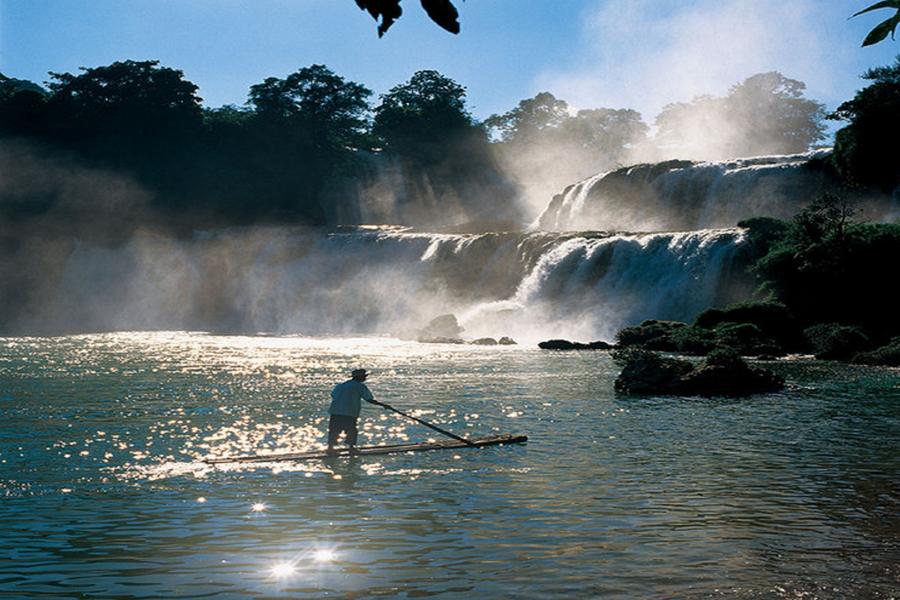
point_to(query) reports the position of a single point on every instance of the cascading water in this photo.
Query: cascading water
(547, 282)
(386, 281)
(680, 195)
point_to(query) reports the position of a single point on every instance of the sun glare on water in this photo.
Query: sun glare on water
(283, 569)
(324, 555)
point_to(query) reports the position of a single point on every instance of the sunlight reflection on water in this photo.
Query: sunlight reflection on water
(104, 487)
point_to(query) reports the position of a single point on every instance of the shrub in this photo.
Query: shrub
(693, 340)
(833, 341)
(725, 357)
(773, 320)
(652, 334)
(888, 355)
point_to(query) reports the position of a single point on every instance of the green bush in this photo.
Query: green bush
(773, 320)
(652, 334)
(693, 340)
(888, 355)
(725, 357)
(833, 341)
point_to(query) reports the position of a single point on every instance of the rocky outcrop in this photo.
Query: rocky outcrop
(886, 356)
(647, 372)
(567, 345)
(442, 326)
(749, 329)
(723, 373)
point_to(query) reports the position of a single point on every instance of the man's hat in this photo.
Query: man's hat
(359, 373)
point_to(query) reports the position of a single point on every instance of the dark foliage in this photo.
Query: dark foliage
(864, 150)
(651, 334)
(839, 277)
(887, 355)
(833, 341)
(888, 26)
(301, 142)
(773, 321)
(425, 125)
(441, 12)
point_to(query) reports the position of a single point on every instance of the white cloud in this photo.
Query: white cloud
(644, 54)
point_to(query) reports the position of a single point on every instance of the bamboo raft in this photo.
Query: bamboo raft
(496, 440)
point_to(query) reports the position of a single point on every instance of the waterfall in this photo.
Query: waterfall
(686, 195)
(384, 281)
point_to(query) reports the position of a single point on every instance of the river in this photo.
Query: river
(794, 494)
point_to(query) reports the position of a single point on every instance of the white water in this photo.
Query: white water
(681, 195)
(387, 281)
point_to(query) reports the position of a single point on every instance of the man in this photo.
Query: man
(345, 406)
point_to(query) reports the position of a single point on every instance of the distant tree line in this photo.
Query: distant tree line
(271, 160)
(278, 157)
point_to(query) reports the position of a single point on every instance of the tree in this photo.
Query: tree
(888, 26)
(127, 96)
(22, 106)
(529, 118)
(765, 114)
(125, 112)
(606, 132)
(779, 120)
(333, 110)
(864, 149)
(441, 12)
(416, 119)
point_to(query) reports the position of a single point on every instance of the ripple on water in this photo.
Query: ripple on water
(105, 493)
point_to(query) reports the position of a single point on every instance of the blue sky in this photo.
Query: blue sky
(615, 53)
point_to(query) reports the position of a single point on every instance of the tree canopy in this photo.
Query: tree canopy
(527, 120)
(765, 114)
(414, 115)
(317, 99)
(863, 149)
(125, 99)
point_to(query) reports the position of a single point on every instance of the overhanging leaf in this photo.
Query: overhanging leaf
(882, 30)
(443, 13)
(879, 5)
(388, 10)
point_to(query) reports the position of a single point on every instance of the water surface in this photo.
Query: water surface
(795, 494)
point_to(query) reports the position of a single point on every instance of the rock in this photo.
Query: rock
(887, 356)
(723, 373)
(507, 341)
(441, 327)
(441, 340)
(833, 341)
(647, 372)
(485, 341)
(716, 380)
(567, 345)
(652, 334)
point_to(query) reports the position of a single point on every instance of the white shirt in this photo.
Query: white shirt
(346, 397)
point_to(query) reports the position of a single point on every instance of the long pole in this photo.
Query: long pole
(427, 424)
